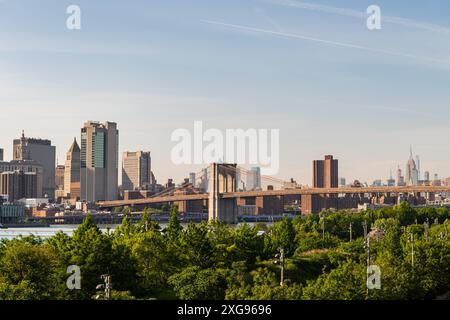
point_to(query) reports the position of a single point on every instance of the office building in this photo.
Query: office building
(72, 171)
(426, 176)
(42, 152)
(254, 179)
(18, 185)
(25, 166)
(59, 177)
(412, 171)
(192, 178)
(325, 173)
(59, 181)
(136, 170)
(1, 154)
(99, 161)
(11, 213)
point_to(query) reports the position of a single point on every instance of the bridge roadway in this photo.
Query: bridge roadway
(285, 192)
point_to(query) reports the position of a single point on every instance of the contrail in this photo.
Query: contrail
(329, 42)
(361, 15)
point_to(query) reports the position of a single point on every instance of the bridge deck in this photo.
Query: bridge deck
(266, 193)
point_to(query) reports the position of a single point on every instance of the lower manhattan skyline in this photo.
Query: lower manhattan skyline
(365, 107)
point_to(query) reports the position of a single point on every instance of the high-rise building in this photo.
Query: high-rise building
(399, 177)
(411, 172)
(26, 166)
(203, 183)
(1, 154)
(426, 176)
(59, 177)
(18, 185)
(136, 170)
(99, 161)
(342, 182)
(254, 179)
(44, 153)
(59, 181)
(325, 173)
(72, 171)
(418, 167)
(192, 178)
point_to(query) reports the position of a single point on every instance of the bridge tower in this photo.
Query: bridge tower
(222, 179)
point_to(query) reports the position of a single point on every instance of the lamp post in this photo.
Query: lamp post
(107, 286)
(280, 256)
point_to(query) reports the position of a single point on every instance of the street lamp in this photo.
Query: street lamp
(107, 286)
(280, 256)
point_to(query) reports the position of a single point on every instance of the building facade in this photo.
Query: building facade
(326, 173)
(72, 172)
(59, 177)
(30, 166)
(99, 161)
(18, 185)
(13, 213)
(136, 170)
(44, 153)
(254, 179)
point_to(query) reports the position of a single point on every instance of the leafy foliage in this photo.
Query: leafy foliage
(217, 261)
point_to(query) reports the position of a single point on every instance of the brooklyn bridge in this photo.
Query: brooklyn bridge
(224, 202)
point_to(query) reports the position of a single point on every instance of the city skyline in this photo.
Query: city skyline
(186, 173)
(365, 107)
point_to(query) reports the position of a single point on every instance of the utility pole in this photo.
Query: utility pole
(323, 228)
(426, 226)
(365, 229)
(107, 286)
(411, 240)
(280, 255)
(351, 234)
(368, 259)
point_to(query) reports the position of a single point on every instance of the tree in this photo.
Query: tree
(282, 235)
(195, 245)
(174, 228)
(193, 283)
(346, 282)
(27, 271)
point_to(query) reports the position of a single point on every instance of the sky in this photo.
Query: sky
(311, 69)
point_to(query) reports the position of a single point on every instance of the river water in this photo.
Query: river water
(44, 232)
(48, 232)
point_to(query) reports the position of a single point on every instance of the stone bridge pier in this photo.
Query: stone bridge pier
(222, 179)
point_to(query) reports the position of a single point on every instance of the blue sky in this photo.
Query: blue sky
(155, 66)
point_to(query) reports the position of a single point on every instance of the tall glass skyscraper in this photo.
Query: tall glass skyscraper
(99, 161)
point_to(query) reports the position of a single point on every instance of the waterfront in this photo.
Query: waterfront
(48, 232)
(44, 232)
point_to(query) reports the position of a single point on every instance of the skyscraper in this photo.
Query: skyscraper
(72, 171)
(59, 177)
(418, 167)
(99, 161)
(325, 173)
(18, 185)
(44, 153)
(411, 172)
(254, 179)
(1, 154)
(136, 170)
(26, 166)
(192, 178)
(399, 178)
